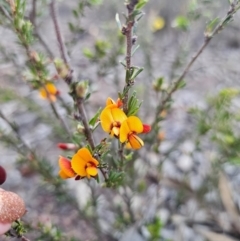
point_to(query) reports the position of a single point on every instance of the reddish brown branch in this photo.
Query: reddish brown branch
(127, 31)
(58, 32)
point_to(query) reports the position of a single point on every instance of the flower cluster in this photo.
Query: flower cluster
(115, 122)
(83, 164)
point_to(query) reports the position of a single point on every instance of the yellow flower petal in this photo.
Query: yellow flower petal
(106, 120)
(124, 131)
(51, 88)
(79, 166)
(128, 146)
(135, 141)
(65, 167)
(135, 124)
(111, 115)
(110, 101)
(48, 91)
(92, 171)
(158, 23)
(118, 115)
(85, 154)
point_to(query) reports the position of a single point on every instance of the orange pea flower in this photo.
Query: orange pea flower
(111, 119)
(84, 164)
(129, 130)
(66, 170)
(49, 91)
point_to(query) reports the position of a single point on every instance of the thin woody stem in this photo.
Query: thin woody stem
(33, 12)
(15, 129)
(5, 13)
(43, 42)
(127, 31)
(87, 131)
(23, 238)
(58, 32)
(69, 79)
(60, 118)
(32, 18)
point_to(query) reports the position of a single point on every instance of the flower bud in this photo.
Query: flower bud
(146, 128)
(61, 68)
(67, 146)
(81, 89)
(35, 56)
(80, 129)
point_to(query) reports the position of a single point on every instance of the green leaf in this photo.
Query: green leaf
(212, 25)
(181, 84)
(87, 96)
(75, 13)
(129, 156)
(71, 27)
(154, 228)
(93, 121)
(115, 178)
(118, 21)
(136, 71)
(95, 2)
(141, 4)
(133, 105)
(135, 13)
(181, 22)
(235, 160)
(157, 84)
(123, 64)
(77, 138)
(135, 49)
(88, 53)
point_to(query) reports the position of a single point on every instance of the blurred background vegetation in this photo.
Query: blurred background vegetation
(183, 185)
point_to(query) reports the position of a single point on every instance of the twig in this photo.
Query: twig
(32, 18)
(128, 202)
(15, 129)
(127, 31)
(14, 233)
(64, 124)
(121, 155)
(58, 32)
(43, 42)
(6, 14)
(32, 15)
(87, 131)
(68, 79)
(23, 238)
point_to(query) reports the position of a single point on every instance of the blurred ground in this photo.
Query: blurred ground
(217, 67)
